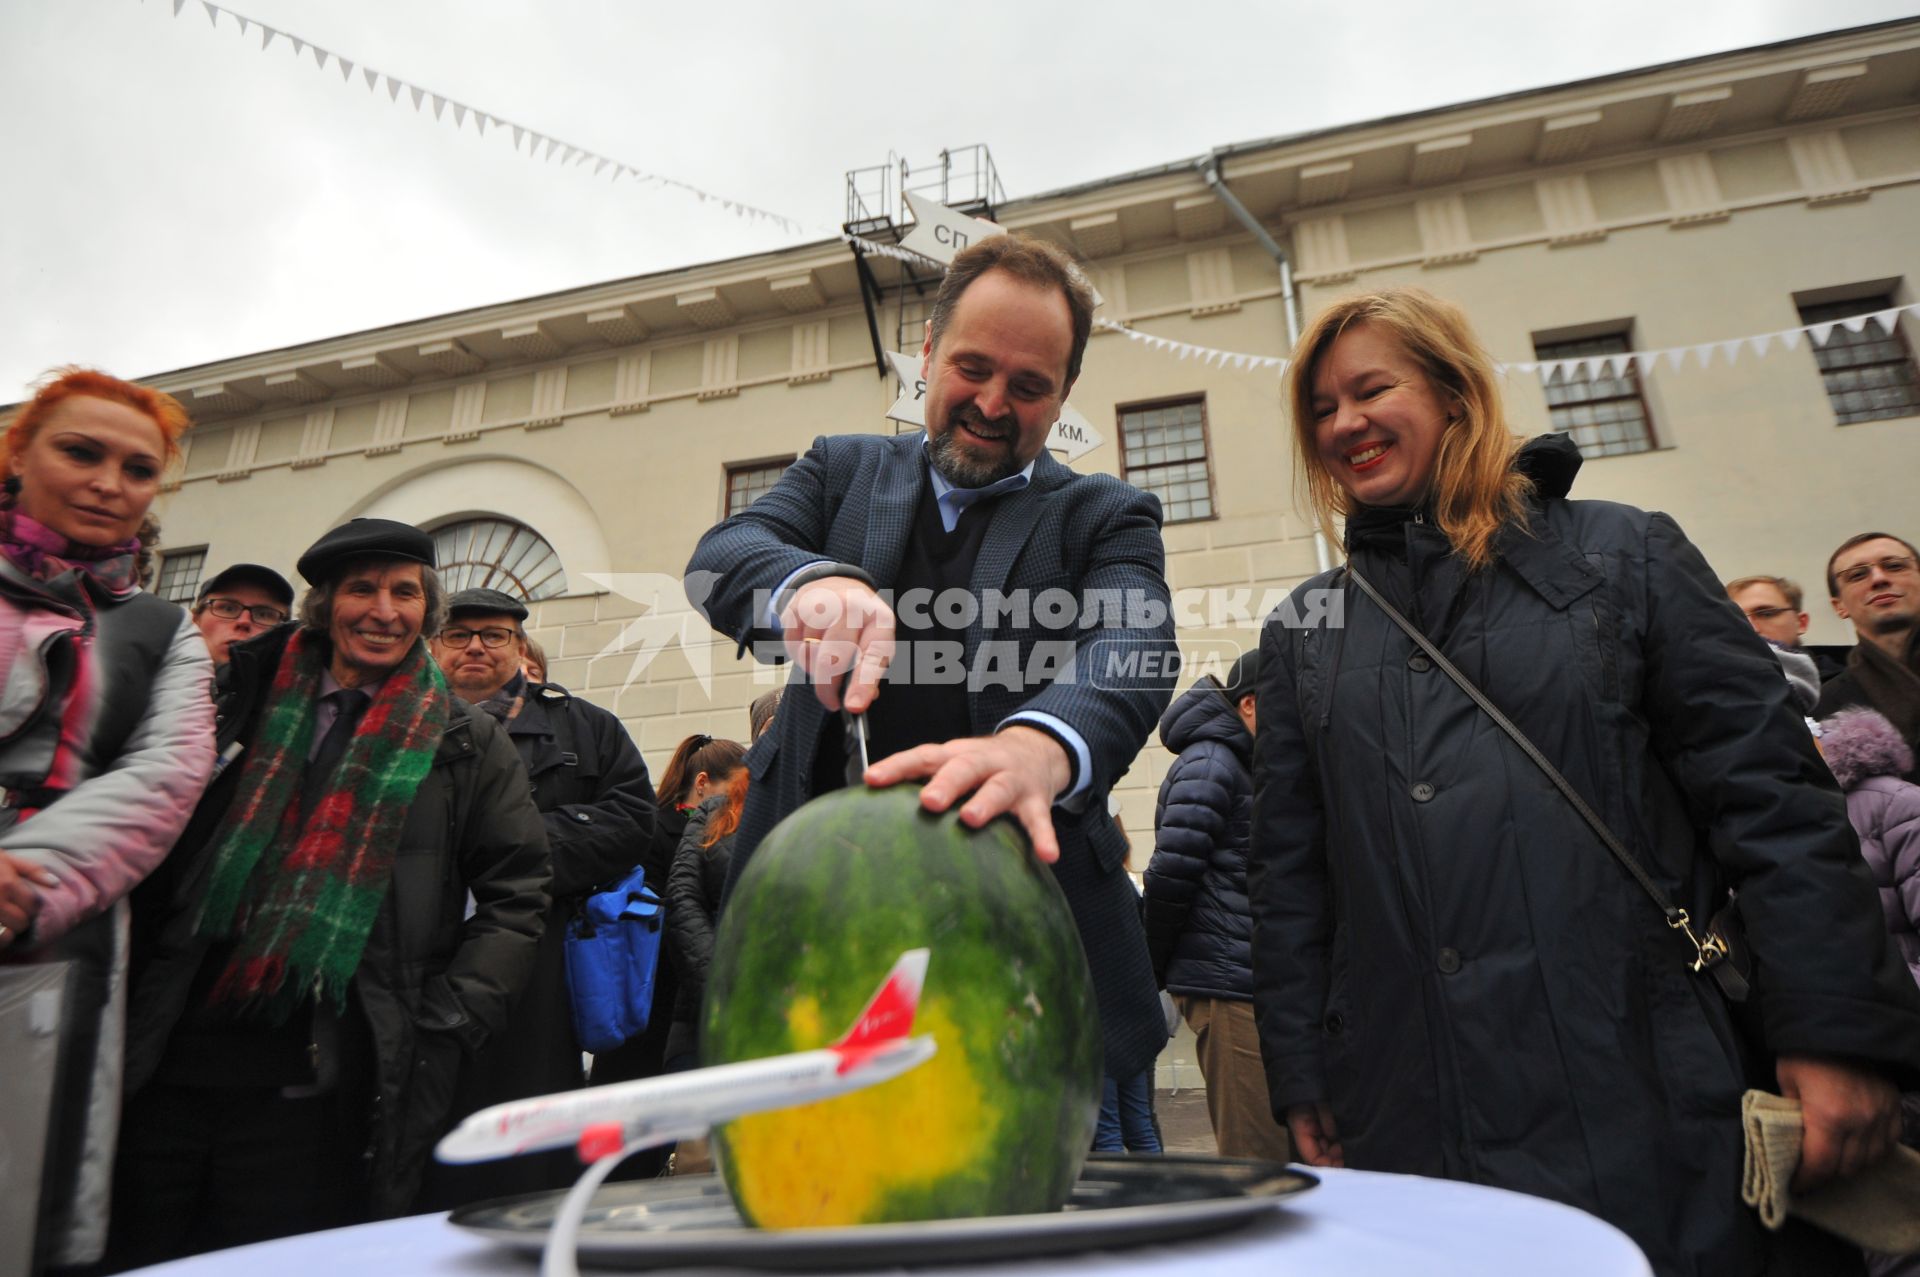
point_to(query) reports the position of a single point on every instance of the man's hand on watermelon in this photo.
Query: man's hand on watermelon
(837, 628)
(1017, 770)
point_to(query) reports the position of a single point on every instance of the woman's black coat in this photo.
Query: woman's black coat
(1446, 953)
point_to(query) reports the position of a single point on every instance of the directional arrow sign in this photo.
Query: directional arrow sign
(1073, 434)
(939, 232)
(911, 406)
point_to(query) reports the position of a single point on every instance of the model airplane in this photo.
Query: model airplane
(629, 1116)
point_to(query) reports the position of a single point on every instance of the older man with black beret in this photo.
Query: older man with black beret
(349, 916)
(591, 787)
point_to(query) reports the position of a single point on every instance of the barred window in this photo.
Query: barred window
(180, 574)
(746, 484)
(1163, 449)
(1869, 374)
(1605, 416)
(500, 555)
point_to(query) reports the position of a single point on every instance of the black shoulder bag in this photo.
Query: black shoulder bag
(1722, 951)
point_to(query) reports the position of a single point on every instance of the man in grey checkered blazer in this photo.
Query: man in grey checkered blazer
(1067, 657)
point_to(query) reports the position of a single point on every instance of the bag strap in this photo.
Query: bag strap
(1710, 950)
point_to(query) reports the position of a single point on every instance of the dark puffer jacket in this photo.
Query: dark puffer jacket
(694, 889)
(1199, 928)
(1443, 950)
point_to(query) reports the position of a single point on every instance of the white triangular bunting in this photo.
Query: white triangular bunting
(1791, 338)
(346, 70)
(1731, 351)
(480, 121)
(213, 13)
(459, 115)
(1645, 361)
(601, 167)
(1759, 344)
(371, 76)
(244, 24)
(1887, 318)
(439, 105)
(566, 154)
(178, 5)
(299, 45)
(419, 95)
(1855, 323)
(266, 35)
(518, 133)
(1676, 358)
(1820, 333)
(393, 89)
(320, 56)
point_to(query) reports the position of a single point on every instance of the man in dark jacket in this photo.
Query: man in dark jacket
(591, 787)
(1199, 927)
(350, 913)
(1875, 582)
(994, 692)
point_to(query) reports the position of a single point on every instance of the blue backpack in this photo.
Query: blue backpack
(613, 950)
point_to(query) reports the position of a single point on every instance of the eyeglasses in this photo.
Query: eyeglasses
(230, 609)
(1896, 566)
(1768, 613)
(490, 637)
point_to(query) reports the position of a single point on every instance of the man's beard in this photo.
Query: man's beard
(1893, 623)
(963, 470)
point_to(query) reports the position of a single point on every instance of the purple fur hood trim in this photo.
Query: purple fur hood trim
(1859, 743)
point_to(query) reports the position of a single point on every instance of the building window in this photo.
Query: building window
(1605, 416)
(1869, 374)
(1163, 448)
(746, 484)
(180, 574)
(498, 554)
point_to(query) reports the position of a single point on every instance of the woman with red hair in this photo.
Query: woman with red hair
(106, 740)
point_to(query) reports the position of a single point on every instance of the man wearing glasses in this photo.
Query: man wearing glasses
(591, 788)
(238, 603)
(1875, 582)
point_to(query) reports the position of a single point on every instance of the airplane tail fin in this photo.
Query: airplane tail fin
(889, 1013)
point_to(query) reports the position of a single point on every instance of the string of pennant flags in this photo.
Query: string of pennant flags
(538, 145)
(545, 146)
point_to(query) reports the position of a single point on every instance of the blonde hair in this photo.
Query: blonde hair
(1475, 489)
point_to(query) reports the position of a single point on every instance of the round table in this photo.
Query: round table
(1355, 1224)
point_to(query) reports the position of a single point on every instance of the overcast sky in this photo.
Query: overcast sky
(176, 195)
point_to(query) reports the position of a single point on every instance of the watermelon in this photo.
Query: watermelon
(999, 1121)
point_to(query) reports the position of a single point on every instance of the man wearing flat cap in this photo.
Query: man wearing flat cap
(348, 917)
(237, 603)
(591, 787)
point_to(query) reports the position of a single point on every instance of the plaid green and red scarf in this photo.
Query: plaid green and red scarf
(302, 901)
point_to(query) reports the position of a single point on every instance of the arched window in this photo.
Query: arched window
(500, 555)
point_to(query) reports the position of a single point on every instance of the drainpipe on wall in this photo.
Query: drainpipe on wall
(1209, 166)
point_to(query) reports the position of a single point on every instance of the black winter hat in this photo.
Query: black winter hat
(491, 602)
(387, 538)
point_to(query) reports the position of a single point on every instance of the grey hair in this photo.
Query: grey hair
(316, 605)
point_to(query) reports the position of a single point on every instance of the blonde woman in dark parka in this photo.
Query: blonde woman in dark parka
(1453, 977)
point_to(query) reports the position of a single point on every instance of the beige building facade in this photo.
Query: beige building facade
(1728, 197)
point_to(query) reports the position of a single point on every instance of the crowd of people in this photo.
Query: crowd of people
(1433, 884)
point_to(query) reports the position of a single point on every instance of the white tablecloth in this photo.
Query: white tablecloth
(1356, 1224)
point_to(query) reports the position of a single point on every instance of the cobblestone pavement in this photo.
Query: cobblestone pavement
(1184, 1125)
